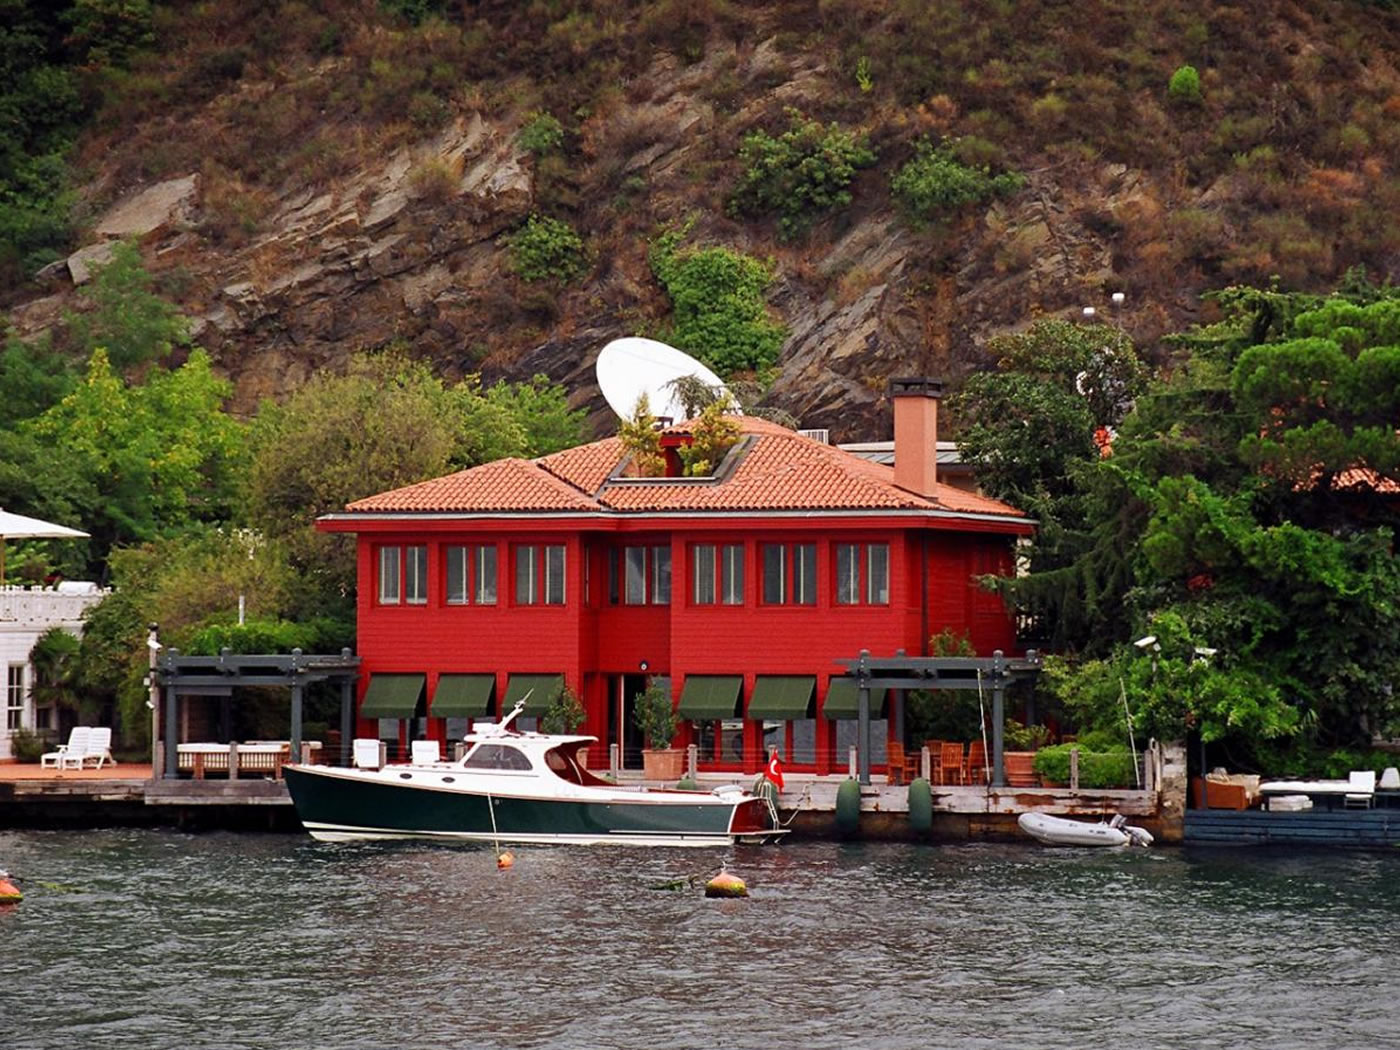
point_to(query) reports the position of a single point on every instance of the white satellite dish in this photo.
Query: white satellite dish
(630, 367)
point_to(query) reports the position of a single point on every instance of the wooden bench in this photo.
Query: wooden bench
(259, 757)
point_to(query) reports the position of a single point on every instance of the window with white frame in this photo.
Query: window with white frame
(789, 574)
(390, 576)
(415, 575)
(862, 574)
(471, 575)
(539, 574)
(646, 576)
(14, 697)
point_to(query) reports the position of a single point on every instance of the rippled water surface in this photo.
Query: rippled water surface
(153, 939)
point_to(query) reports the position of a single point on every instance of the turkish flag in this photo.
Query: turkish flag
(774, 770)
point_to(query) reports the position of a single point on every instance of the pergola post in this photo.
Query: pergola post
(863, 717)
(172, 733)
(347, 712)
(998, 718)
(296, 706)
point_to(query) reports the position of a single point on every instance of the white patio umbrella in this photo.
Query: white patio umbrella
(19, 527)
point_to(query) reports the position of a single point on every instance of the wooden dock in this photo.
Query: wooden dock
(1321, 828)
(127, 795)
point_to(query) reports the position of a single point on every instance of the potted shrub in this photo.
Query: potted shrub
(656, 718)
(565, 716)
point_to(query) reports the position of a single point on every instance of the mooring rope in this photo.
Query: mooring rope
(982, 720)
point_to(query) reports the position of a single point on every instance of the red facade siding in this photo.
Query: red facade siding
(931, 587)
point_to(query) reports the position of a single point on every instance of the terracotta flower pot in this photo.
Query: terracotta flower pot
(663, 765)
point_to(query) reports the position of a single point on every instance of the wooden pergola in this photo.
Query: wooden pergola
(901, 673)
(173, 675)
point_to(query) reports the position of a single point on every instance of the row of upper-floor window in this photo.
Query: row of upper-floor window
(638, 575)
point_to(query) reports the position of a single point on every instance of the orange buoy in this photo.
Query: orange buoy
(9, 892)
(505, 860)
(726, 885)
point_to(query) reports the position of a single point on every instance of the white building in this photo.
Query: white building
(25, 614)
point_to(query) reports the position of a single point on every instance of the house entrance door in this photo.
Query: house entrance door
(622, 730)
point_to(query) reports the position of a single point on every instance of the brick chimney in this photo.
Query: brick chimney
(916, 433)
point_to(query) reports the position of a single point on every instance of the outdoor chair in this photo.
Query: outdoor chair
(1390, 779)
(976, 762)
(77, 745)
(935, 758)
(425, 752)
(98, 750)
(950, 763)
(894, 763)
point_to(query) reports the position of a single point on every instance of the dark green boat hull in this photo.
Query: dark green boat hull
(334, 807)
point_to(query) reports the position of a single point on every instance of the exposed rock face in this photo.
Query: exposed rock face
(153, 209)
(410, 250)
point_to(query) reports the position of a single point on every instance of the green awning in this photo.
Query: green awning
(463, 696)
(543, 688)
(709, 697)
(782, 697)
(393, 695)
(843, 700)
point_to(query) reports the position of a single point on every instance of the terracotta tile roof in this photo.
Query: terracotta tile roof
(776, 469)
(587, 466)
(505, 485)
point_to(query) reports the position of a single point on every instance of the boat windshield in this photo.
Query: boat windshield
(496, 756)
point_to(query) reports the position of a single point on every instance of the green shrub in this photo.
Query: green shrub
(540, 134)
(565, 714)
(26, 745)
(655, 717)
(1185, 85)
(802, 173)
(718, 310)
(1097, 769)
(546, 249)
(935, 182)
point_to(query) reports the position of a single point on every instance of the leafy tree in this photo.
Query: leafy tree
(1029, 427)
(386, 423)
(55, 660)
(803, 172)
(140, 461)
(546, 249)
(718, 310)
(935, 182)
(131, 323)
(33, 377)
(184, 583)
(713, 434)
(1250, 494)
(541, 408)
(642, 440)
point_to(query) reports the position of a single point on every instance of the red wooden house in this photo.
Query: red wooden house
(740, 590)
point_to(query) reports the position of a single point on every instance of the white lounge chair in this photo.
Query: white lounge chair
(1390, 779)
(97, 750)
(1361, 791)
(77, 745)
(368, 753)
(425, 752)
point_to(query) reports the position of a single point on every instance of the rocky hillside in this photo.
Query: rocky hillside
(312, 178)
